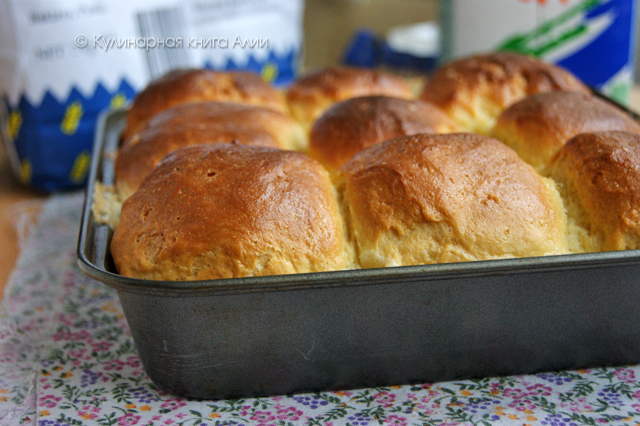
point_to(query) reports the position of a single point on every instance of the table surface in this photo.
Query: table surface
(12, 193)
(67, 357)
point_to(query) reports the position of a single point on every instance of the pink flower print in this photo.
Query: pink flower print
(625, 375)
(573, 406)
(101, 346)
(522, 405)
(67, 319)
(290, 413)
(427, 398)
(581, 404)
(262, 417)
(115, 364)
(49, 401)
(173, 404)
(61, 335)
(8, 357)
(133, 361)
(78, 353)
(424, 408)
(80, 335)
(89, 412)
(385, 398)
(539, 390)
(394, 419)
(636, 407)
(244, 410)
(513, 393)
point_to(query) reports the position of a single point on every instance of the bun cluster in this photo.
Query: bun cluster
(498, 156)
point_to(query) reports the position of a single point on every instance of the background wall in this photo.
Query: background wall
(330, 24)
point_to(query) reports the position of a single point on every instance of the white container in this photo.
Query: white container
(595, 39)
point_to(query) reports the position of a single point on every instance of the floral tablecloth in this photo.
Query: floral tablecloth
(67, 358)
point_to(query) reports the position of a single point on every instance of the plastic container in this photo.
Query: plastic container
(594, 39)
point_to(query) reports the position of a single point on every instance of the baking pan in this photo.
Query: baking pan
(261, 336)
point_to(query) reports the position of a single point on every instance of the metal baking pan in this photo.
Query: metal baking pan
(271, 335)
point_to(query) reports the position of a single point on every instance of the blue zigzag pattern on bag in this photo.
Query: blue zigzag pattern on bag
(53, 140)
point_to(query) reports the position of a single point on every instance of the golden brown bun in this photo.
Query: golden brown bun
(198, 85)
(230, 210)
(539, 125)
(202, 123)
(476, 89)
(447, 198)
(599, 179)
(311, 95)
(350, 126)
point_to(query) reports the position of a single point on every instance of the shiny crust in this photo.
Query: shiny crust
(600, 176)
(311, 95)
(230, 210)
(350, 126)
(476, 89)
(201, 123)
(538, 126)
(198, 85)
(447, 198)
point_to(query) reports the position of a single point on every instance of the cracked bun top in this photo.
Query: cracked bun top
(311, 95)
(476, 89)
(448, 198)
(350, 126)
(230, 210)
(538, 126)
(202, 123)
(198, 85)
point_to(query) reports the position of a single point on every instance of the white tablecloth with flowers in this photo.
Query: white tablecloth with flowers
(67, 358)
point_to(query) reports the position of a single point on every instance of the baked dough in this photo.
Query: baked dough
(476, 89)
(350, 126)
(448, 198)
(230, 210)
